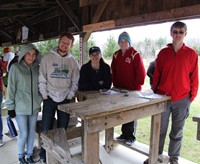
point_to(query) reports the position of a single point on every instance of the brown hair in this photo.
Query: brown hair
(68, 35)
(179, 25)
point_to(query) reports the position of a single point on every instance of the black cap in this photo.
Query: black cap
(94, 49)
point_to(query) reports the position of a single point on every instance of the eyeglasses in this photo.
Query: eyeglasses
(178, 32)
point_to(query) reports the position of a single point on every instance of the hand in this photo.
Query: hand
(12, 113)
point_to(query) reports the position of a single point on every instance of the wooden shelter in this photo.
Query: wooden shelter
(45, 19)
(23, 21)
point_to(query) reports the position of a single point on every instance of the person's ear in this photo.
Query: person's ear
(185, 33)
(72, 45)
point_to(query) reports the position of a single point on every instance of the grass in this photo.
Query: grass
(190, 146)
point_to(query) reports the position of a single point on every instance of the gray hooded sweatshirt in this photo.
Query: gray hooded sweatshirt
(59, 76)
(23, 92)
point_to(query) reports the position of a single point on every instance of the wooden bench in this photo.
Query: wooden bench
(57, 146)
(72, 123)
(65, 147)
(197, 119)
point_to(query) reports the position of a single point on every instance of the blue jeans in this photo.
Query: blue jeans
(179, 111)
(26, 125)
(1, 123)
(48, 114)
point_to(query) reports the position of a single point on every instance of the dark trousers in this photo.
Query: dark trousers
(129, 129)
(49, 109)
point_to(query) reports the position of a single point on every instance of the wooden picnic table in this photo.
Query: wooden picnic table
(103, 112)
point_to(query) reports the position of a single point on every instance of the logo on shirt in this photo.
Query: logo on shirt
(60, 72)
(128, 60)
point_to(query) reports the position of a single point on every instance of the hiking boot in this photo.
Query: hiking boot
(121, 138)
(30, 160)
(1, 142)
(173, 160)
(22, 161)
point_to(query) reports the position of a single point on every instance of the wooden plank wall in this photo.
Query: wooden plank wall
(120, 9)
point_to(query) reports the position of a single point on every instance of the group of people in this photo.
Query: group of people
(56, 77)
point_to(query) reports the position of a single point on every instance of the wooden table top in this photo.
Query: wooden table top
(98, 104)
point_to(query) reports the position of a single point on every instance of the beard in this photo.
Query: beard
(62, 52)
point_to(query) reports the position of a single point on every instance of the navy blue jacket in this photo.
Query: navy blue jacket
(91, 79)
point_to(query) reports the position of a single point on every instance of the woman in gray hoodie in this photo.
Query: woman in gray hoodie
(24, 100)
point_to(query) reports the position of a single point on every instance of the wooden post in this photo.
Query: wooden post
(154, 141)
(109, 134)
(197, 119)
(90, 150)
(83, 53)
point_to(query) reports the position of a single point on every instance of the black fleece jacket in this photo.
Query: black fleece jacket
(91, 79)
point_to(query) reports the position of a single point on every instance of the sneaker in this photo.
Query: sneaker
(1, 142)
(30, 160)
(121, 138)
(41, 161)
(22, 161)
(129, 142)
(161, 159)
(173, 160)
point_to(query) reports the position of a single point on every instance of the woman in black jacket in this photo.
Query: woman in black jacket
(95, 74)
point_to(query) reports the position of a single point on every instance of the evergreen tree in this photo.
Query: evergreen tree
(110, 47)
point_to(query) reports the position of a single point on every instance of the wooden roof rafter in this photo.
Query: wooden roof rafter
(24, 23)
(51, 13)
(96, 17)
(67, 10)
(6, 33)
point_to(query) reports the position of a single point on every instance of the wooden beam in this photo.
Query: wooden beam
(99, 26)
(6, 33)
(68, 11)
(83, 3)
(10, 2)
(24, 23)
(49, 14)
(159, 17)
(96, 17)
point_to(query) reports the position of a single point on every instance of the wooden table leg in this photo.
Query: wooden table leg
(154, 140)
(109, 134)
(90, 146)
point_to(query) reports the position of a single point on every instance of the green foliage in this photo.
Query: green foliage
(110, 47)
(76, 48)
(161, 42)
(146, 48)
(197, 49)
(46, 46)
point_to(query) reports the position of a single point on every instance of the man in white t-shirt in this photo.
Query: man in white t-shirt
(7, 57)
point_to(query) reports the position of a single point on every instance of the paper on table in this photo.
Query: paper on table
(151, 96)
(109, 92)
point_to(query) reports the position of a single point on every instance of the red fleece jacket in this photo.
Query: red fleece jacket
(128, 71)
(176, 73)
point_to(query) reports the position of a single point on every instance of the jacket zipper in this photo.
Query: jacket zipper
(31, 92)
(175, 55)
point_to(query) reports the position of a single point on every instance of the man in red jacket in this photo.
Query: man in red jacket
(176, 75)
(128, 73)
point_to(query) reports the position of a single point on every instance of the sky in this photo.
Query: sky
(154, 31)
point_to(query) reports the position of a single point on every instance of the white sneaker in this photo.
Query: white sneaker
(1, 143)
(163, 159)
